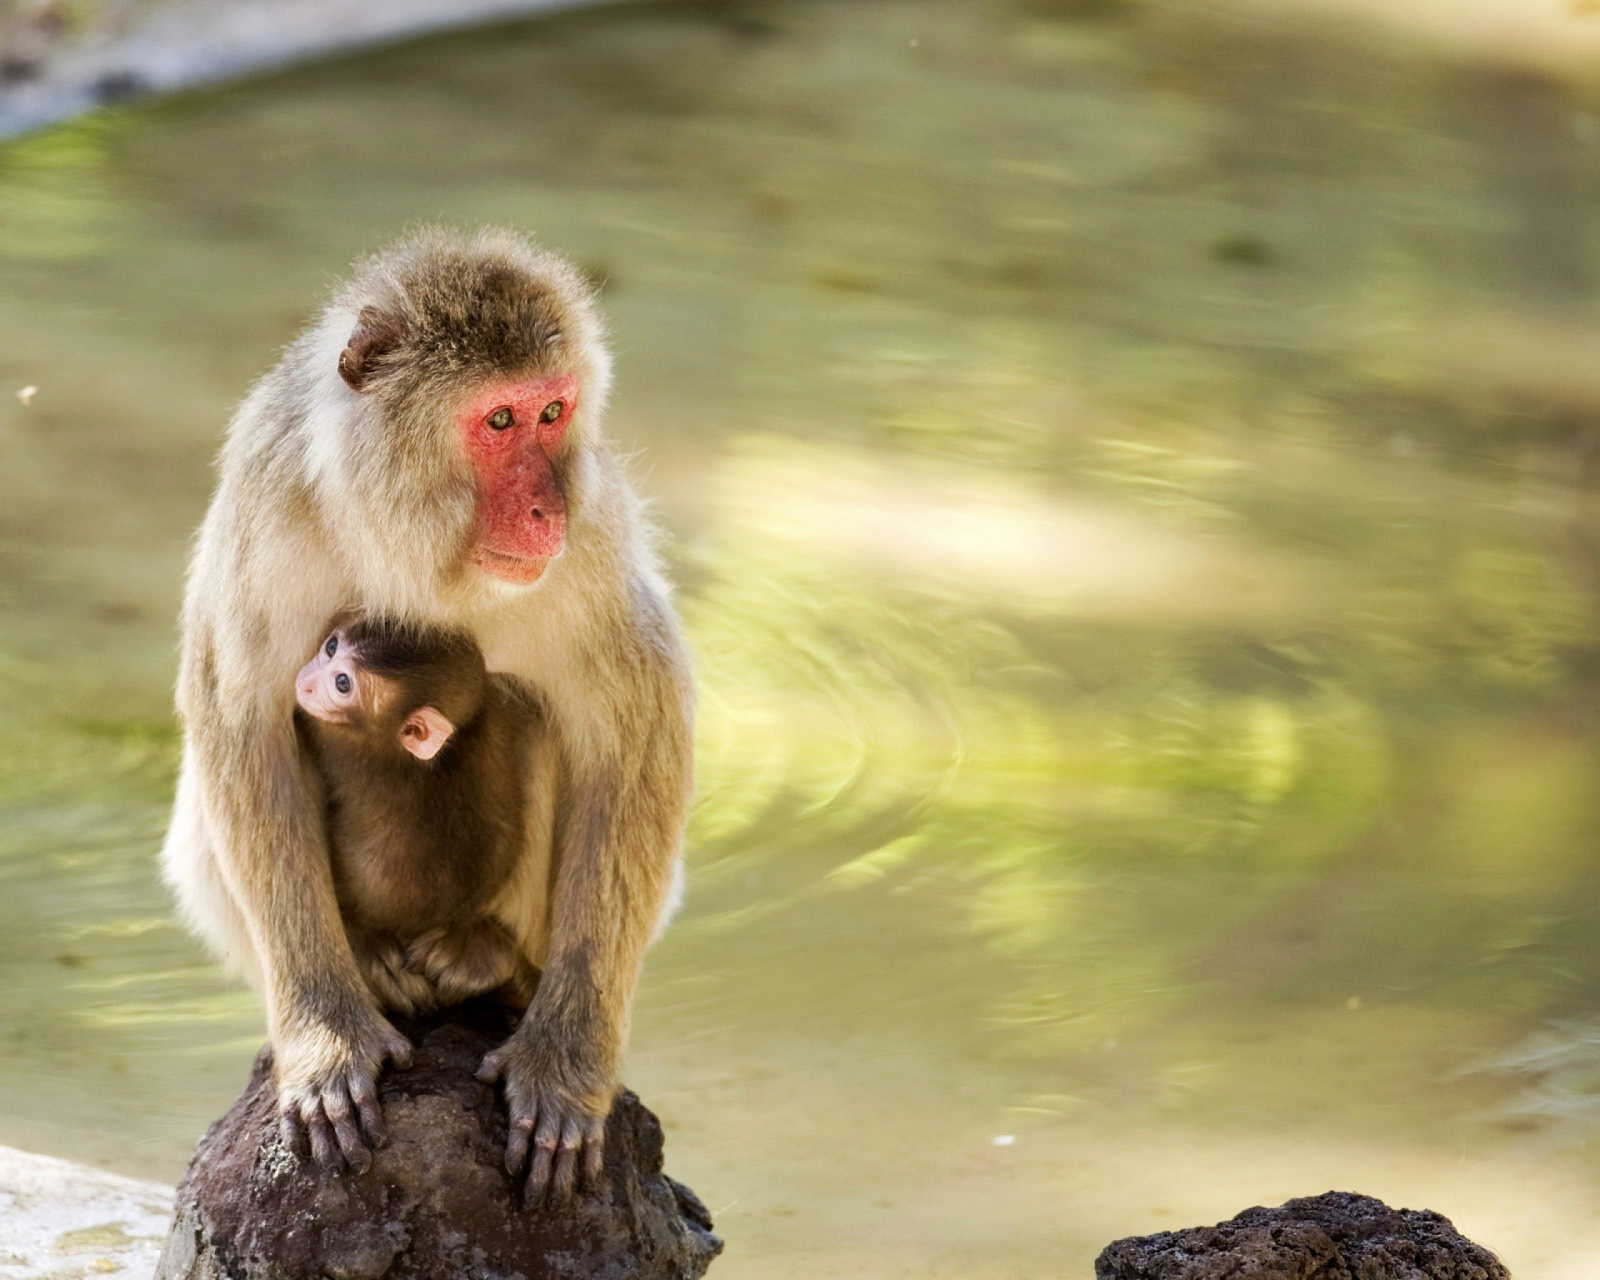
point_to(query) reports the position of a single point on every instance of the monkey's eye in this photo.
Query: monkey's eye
(341, 682)
(553, 410)
(331, 646)
(500, 419)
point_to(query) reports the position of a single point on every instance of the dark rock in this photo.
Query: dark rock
(437, 1203)
(1335, 1236)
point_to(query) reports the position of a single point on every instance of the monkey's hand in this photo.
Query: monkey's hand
(557, 1103)
(327, 1088)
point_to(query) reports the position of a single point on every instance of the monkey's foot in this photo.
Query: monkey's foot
(395, 983)
(564, 1123)
(327, 1088)
(468, 960)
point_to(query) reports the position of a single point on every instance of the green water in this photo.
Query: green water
(1129, 470)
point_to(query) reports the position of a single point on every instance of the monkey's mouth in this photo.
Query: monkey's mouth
(523, 570)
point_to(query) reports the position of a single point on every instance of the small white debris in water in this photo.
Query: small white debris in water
(1004, 1139)
(915, 42)
(27, 393)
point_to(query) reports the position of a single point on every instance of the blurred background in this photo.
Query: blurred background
(1130, 467)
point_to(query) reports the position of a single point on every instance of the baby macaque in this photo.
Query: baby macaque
(424, 761)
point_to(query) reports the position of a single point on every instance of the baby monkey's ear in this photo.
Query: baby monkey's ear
(425, 732)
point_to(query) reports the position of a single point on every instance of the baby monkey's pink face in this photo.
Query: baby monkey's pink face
(332, 686)
(335, 687)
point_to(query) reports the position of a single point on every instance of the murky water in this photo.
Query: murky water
(1129, 473)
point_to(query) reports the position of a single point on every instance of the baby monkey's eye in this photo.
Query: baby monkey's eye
(341, 682)
(331, 646)
(553, 410)
(500, 419)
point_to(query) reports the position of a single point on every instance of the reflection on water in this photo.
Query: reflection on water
(1128, 472)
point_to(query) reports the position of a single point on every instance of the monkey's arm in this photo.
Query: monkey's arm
(625, 796)
(265, 826)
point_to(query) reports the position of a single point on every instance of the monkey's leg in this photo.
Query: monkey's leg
(264, 821)
(189, 866)
(622, 823)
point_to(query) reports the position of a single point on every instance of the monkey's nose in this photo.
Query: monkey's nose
(547, 530)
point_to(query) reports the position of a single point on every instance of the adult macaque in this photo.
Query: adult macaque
(424, 760)
(431, 450)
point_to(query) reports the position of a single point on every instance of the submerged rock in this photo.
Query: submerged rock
(437, 1203)
(1338, 1235)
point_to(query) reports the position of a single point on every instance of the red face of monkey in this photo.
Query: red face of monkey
(513, 433)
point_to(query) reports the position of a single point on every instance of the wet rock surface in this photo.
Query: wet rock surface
(437, 1202)
(1335, 1236)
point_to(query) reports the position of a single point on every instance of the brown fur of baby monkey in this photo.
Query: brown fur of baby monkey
(423, 758)
(431, 450)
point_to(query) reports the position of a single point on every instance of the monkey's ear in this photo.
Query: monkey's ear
(425, 732)
(374, 336)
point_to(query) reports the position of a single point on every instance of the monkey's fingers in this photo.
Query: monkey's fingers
(397, 1050)
(294, 1133)
(342, 1116)
(517, 1137)
(545, 1143)
(564, 1177)
(364, 1093)
(594, 1150)
(491, 1068)
(323, 1148)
